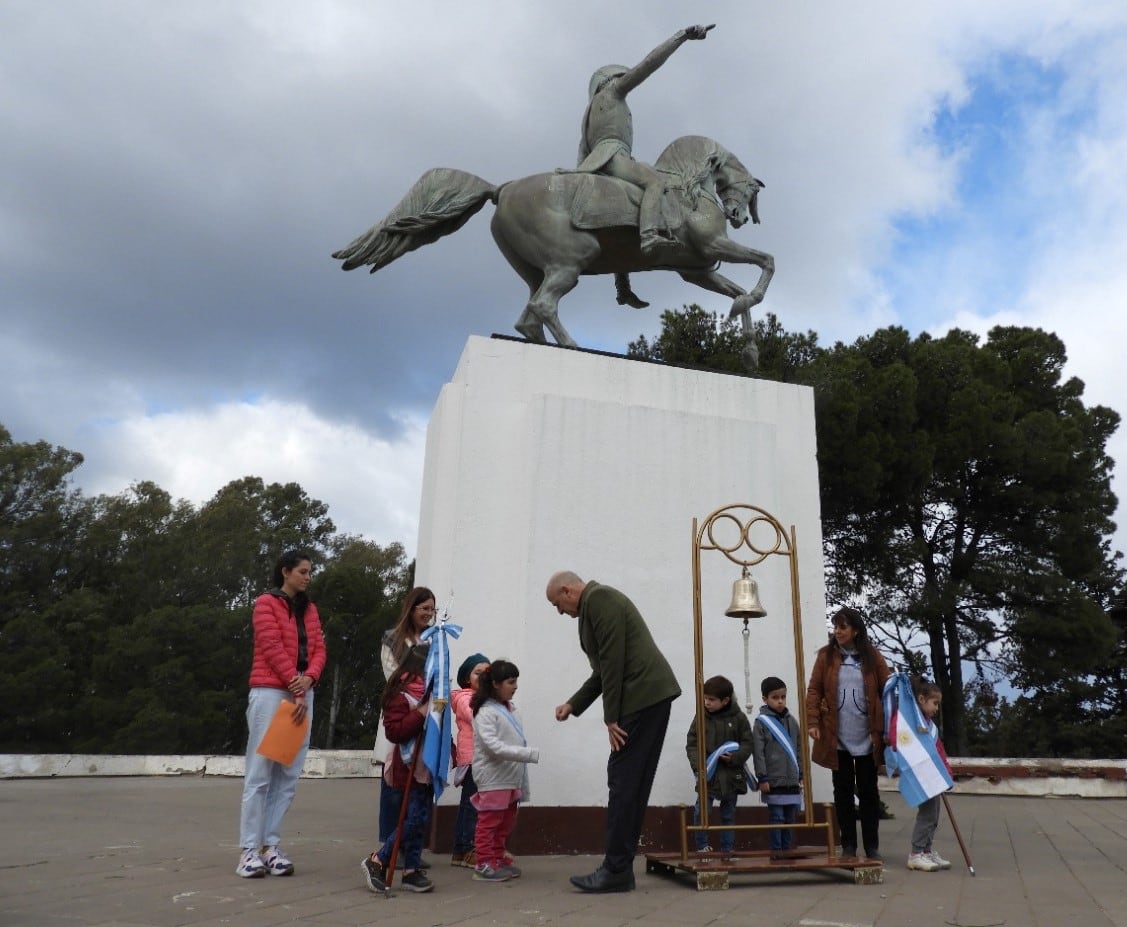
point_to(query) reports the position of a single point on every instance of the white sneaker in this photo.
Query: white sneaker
(250, 866)
(276, 862)
(939, 860)
(922, 862)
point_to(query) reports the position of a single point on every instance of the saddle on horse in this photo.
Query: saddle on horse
(600, 202)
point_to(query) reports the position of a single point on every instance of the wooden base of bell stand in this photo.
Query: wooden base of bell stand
(712, 870)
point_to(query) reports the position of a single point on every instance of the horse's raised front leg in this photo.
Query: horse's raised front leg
(728, 252)
(741, 306)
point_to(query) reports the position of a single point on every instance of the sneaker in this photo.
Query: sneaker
(373, 874)
(470, 860)
(513, 871)
(922, 862)
(940, 861)
(416, 881)
(486, 873)
(276, 862)
(250, 866)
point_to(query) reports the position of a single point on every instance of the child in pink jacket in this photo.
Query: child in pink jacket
(466, 821)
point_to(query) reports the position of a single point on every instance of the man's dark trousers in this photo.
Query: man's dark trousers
(630, 776)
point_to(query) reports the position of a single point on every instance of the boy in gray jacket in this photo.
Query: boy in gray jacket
(776, 746)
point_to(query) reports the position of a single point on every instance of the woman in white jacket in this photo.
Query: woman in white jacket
(500, 764)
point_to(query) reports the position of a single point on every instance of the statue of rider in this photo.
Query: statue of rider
(607, 140)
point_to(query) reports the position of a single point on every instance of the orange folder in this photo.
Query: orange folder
(283, 738)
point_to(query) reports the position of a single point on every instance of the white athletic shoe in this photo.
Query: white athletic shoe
(922, 862)
(250, 866)
(943, 863)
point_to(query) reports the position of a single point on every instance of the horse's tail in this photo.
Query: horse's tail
(440, 203)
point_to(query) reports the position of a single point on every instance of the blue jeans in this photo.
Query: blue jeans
(268, 787)
(415, 825)
(466, 822)
(782, 814)
(727, 816)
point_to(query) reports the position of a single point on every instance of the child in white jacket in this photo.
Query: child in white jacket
(500, 766)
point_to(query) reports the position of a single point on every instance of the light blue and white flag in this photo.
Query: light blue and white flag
(437, 735)
(913, 751)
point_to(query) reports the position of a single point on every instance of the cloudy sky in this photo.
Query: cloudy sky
(174, 177)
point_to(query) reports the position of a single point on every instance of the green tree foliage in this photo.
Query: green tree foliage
(701, 340)
(966, 497)
(1082, 716)
(695, 338)
(39, 512)
(126, 625)
(966, 504)
(358, 594)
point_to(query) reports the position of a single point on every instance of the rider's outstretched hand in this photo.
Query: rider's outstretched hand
(698, 32)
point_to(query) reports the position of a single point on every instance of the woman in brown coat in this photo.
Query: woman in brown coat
(846, 721)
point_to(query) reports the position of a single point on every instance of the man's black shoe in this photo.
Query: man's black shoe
(603, 880)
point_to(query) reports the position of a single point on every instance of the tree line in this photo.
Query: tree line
(126, 625)
(966, 508)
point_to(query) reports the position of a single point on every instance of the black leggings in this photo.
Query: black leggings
(857, 774)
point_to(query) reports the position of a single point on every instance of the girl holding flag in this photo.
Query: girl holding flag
(915, 754)
(406, 706)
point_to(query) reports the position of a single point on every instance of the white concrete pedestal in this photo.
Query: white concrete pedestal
(541, 458)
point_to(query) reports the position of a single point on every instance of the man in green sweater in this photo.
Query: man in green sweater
(638, 687)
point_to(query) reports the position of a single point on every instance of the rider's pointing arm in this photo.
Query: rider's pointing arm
(657, 58)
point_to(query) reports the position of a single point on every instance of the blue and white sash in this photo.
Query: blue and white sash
(779, 732)
(512, 719)
(729, 746)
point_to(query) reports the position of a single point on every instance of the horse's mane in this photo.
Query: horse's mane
(692, 159)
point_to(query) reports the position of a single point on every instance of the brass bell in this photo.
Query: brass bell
(745, 598)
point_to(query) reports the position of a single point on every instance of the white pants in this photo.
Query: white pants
(268, 787)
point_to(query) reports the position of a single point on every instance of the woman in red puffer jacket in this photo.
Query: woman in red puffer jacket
(289, 657)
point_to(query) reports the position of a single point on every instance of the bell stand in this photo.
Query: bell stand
(711, 869)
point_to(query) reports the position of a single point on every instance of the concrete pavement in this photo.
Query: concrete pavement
(127, 852)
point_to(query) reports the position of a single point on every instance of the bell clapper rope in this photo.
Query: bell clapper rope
(746, 632)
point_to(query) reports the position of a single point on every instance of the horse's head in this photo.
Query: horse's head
(740, 200)
(705, 164)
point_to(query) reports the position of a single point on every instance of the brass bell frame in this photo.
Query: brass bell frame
(745, 553)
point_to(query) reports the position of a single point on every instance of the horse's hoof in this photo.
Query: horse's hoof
(751, 357)
(533, 332)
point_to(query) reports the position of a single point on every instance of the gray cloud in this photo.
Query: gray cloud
(175, 178)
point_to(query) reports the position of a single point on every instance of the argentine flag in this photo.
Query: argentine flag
(436, 736)
(913, 749)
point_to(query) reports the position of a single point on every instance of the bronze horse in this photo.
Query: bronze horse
(555, 227)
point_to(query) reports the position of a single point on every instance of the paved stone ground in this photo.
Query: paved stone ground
(151, 852)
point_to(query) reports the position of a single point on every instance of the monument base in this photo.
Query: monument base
(542, 458)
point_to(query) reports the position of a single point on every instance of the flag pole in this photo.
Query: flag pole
(958, 834)
(390, 873)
